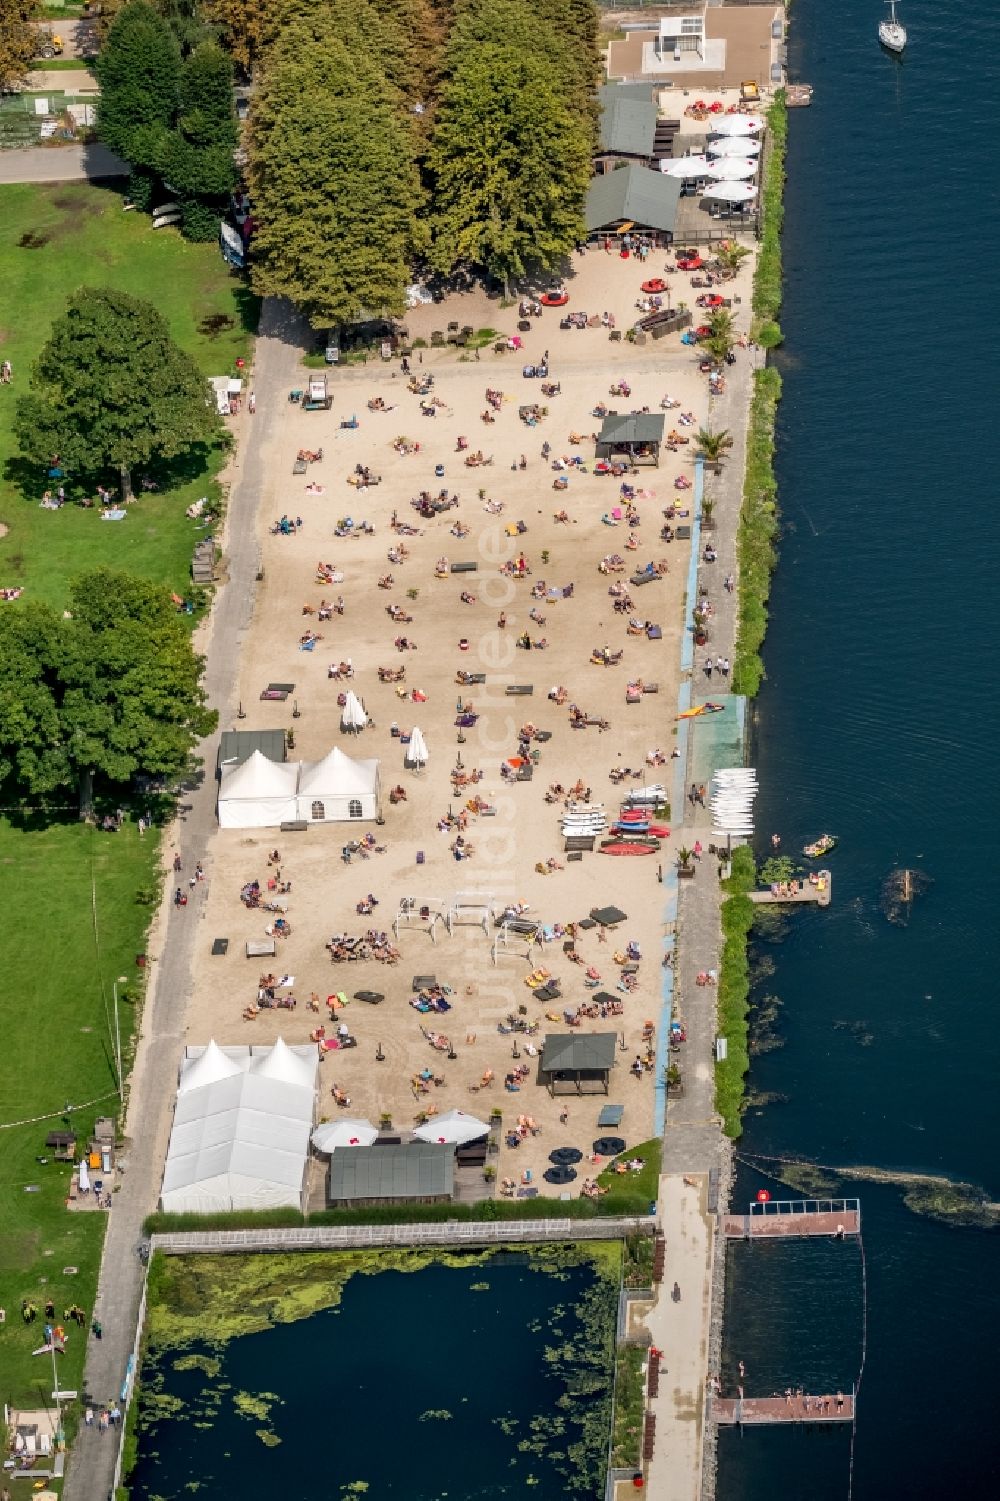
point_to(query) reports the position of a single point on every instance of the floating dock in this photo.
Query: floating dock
(798, 95)
(832, 1408)
(795, 1219)
(785, 893)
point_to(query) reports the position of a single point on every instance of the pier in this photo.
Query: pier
(818, 892)
(836, 1408)
(795, 1219)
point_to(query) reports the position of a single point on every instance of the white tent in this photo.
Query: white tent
(733, 146)
(416, 752)
(731, 169)
(730, 192)
(337, 788)
(258, 794)
(343, 1133)
(240, 1136)
(685, 166)
(353, 716)
(455, 1127)
(736, 125)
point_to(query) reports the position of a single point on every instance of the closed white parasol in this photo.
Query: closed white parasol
(416, 752)
(353, 717)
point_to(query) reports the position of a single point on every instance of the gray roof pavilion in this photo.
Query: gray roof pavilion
(578, 1063)
(420, 1172)
(628, 123)
(237, 746)
(637, 434)
(632, 195)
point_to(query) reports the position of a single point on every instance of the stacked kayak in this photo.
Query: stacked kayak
(733, 793)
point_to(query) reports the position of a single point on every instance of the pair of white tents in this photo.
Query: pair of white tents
(261, 794)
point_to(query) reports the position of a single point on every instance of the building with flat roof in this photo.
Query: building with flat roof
(711, 47)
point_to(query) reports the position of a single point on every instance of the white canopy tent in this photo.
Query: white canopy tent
(330, 1135)
(736, 125)
(258, 794)
(353, 717)
(730, 192)
(731, 169)
(338, 788)
(240, 1135)
(416, 752)
(685, 166)
(733, 146)
(454, 1128)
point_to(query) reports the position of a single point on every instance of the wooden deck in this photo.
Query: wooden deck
(793, 892)
(795, 1219)
(807, 1409)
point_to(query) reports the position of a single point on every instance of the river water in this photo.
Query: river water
(878, 723)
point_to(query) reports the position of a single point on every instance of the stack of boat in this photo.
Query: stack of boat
(734, 790)
(584, 819)
(645, 797)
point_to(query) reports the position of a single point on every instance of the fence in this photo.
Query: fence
(21, 124)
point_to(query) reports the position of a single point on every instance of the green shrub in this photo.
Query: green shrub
(734, 990)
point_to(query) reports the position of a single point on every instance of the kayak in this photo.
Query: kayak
(628, 849)
(700, 709)
(822, 846)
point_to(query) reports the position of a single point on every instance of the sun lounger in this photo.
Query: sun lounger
(300, 466)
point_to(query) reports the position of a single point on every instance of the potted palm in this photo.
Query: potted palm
(675, 1083)
(685, 866)
(712, 447)
(708, 513)
(385, 1120)
(699, 621)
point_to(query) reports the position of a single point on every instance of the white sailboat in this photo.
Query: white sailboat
(892, 33)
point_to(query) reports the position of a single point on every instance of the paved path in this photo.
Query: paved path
(154, 1077)
(60, 164)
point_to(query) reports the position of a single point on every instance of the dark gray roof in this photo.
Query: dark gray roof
(628, 124)
(632, 427)
(641, 91)
(415, 1171)
(237, 746)
(578, 1051)
(635, 194)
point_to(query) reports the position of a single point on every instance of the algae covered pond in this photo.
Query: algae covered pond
(425, 1375)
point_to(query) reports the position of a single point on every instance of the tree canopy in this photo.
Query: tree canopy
(139, 70)
(111, 390)
(111, 690)
(197, 158)
(18, 38)
(332, 178)
(509, 159)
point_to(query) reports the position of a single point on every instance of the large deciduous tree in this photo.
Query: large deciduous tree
(18, 39)
(112, 690)
(332, 178)
(509, 159)
(111, 390)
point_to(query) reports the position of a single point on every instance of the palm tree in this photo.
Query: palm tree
(720, 321)
(732, 255)
(712, 447)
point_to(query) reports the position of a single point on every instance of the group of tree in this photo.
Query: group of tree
(18, 39)
(110, 689)
(111, 392)
(388, 132)
(168, 109)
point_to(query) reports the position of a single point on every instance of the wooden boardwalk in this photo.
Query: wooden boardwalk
(787, 893)
(795, 1219)
(806, 1409)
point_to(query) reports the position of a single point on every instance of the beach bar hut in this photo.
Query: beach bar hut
(633, 198)
(637, 436)
(416, 1173)
(575, 1063)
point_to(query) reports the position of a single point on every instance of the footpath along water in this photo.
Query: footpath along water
(877, 723)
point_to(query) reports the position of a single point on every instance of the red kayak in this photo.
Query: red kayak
(628, 849)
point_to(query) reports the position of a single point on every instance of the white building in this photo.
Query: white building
(240, 1135)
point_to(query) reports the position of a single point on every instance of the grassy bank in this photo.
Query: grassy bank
(77, 888)
(55, 238)
(734, 990)
(767, 276)
(757, 533)
(630, 1407)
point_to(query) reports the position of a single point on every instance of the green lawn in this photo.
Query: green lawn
(57, 1001)
(79, 235)
(631, 1186)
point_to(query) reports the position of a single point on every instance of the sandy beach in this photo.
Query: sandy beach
(510, 847)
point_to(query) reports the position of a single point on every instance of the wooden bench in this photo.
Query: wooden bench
(266, 949)
(519, 690)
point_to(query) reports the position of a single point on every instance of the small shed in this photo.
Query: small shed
(416, 1173)
(634, 198)
(578, 1063)
(638, 436)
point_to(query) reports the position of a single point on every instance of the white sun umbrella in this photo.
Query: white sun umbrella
(453, 1128)
(730, 192)
(343, 1133)
(733, 146)
(353, 716)
(736, 125)
(416, 752)
(684, 166)
(731, 169)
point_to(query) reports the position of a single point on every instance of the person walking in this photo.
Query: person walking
(252, 403)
